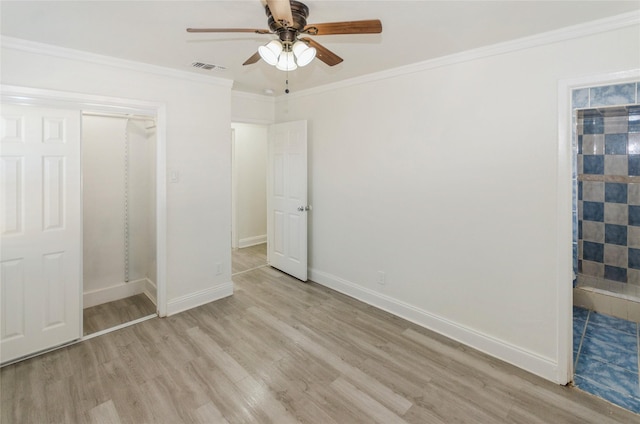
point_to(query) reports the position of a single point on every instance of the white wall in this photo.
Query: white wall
(445, 179)
(141, 200)
(103, 202)
(251, 184)
(252, 108)
(197, 145)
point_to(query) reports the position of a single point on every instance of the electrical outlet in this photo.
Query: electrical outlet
(381, 278)
(219, 268)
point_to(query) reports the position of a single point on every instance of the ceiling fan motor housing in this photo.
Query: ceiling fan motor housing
(288, 34)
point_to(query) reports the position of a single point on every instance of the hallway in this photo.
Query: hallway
(248, 258)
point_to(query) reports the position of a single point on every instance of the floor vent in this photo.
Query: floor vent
(208, 66)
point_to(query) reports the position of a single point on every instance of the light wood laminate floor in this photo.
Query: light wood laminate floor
(282, 351)
(112, 314)
(248, 258)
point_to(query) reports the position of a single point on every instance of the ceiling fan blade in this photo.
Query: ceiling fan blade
(323, 53)
(281, 11)
(253, 59)
(371, 26)
(255, 31)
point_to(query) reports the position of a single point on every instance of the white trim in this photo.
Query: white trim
(254, 97)
(53, 98)
(161, 211)
(252, 241)
(115, 292)
(66, 53)
(234, 192)
(249, 270)
(193, 300)
(85, 102)
(564, 243)
(564, 274)
(78, 340)
(530, 361)
(151, 290)
(118, 327)
(563, 34)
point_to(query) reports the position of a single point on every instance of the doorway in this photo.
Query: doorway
(249, 196)
(596, 169)
(119, 219)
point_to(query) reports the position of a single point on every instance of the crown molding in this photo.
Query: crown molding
(66, 53)
(253, 96)
(550, 37)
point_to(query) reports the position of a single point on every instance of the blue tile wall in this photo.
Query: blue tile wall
(592, 251)
(593, 164)
(615, 273)
(634, 215)
(580, 190)
(612, 95)
(634, 119)
(634, 165)
(634, 258)
(615, 144)
(607, 147)
(593, 211)
(615, 192)
(580, 98)
(615, 234)
(633, 144)
(594, 125)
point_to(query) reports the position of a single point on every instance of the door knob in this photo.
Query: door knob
(303, 208)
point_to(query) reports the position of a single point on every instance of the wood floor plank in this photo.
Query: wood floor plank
(111, 314)
(282, 351)
(208, 413)
(382, 393)
(248, 258)
(105, 413)
(369, 406)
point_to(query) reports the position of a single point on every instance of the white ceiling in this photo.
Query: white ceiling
(154, 32)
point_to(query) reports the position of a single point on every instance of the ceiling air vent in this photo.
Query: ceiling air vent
(208, 66)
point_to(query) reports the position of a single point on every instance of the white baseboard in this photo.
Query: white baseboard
(116, 292)
(193, 300)
(252, 241)
(151, 290)
(521, 358)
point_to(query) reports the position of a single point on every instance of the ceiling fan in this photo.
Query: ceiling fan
(288, 20)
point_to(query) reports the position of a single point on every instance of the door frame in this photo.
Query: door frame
(564, 280)
(19, 95)
(234, 192)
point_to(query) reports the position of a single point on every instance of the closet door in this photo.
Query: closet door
(40, 227)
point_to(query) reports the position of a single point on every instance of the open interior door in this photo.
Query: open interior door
(287, 206)
(40, 225)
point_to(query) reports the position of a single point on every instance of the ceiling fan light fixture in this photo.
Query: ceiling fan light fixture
(287, 62)
(270, 52)
(303, 53)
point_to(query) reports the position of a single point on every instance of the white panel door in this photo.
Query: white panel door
(40, 229)
(287, 198)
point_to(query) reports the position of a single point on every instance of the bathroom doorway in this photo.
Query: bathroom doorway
(604, 132)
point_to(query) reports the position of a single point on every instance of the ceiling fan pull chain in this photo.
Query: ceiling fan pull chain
(286, 82)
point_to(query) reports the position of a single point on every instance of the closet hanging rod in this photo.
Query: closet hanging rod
(121, 116)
